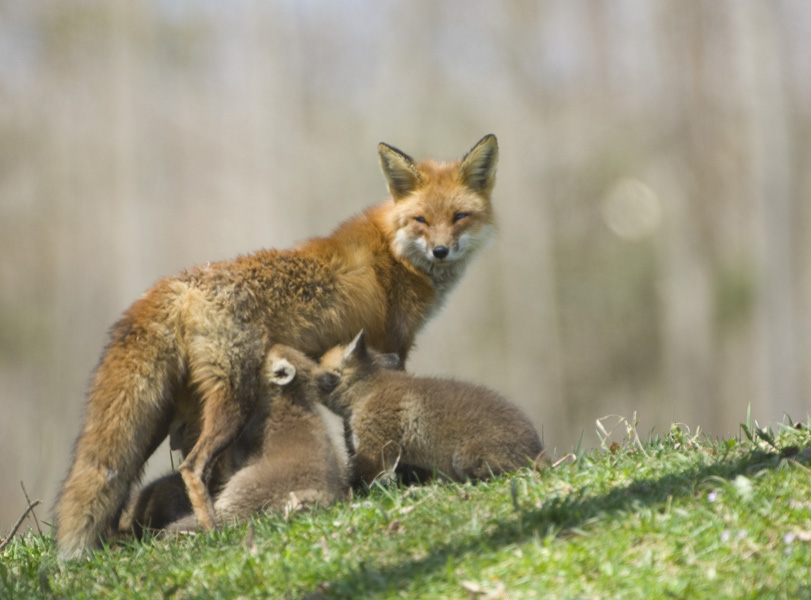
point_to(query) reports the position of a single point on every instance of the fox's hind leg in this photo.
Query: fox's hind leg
(227, 399)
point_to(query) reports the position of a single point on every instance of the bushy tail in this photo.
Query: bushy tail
(129, 408)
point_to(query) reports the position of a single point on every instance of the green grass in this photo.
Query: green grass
(674, 517)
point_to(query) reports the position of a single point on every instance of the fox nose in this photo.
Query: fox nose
(441, 252)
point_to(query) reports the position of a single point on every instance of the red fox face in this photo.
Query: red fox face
(442, 211)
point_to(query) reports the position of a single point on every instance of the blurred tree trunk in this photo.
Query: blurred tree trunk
(125, 237)
(681, 176)
(760, 61)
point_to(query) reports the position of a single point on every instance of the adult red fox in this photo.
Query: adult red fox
(191, 348)
(452, 428)
(301, 453)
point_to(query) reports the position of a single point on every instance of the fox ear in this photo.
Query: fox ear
(281, 372)
(478, 168)
(398, 167)
(390, 361)
(357, 347)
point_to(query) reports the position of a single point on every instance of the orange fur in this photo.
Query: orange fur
(186, 357)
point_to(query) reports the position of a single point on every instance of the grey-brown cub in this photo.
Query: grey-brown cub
(456, 429)
(292, 450)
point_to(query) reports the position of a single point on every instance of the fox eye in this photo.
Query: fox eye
(459, 216)
(420, 220)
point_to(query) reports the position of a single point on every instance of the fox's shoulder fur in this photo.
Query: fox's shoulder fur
(190, 350)
(457, 429)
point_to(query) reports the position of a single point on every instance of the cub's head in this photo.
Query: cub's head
(353, 362)
(288, 369)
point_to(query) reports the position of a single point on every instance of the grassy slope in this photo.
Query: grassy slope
(675, 517)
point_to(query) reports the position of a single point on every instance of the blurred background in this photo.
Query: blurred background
(653, 193)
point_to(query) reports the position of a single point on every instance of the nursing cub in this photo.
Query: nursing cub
(292, 450)
(455, 429)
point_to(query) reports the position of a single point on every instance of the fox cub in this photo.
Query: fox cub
(455, 429)
(187, 355)
(301, 454)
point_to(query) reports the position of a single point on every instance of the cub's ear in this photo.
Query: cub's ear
(390, 361)
(281, 372)
(478, 169)
(357, 347)
(327, 382)
(401, 173)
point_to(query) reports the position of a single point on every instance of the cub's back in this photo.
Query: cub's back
(449, 407)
